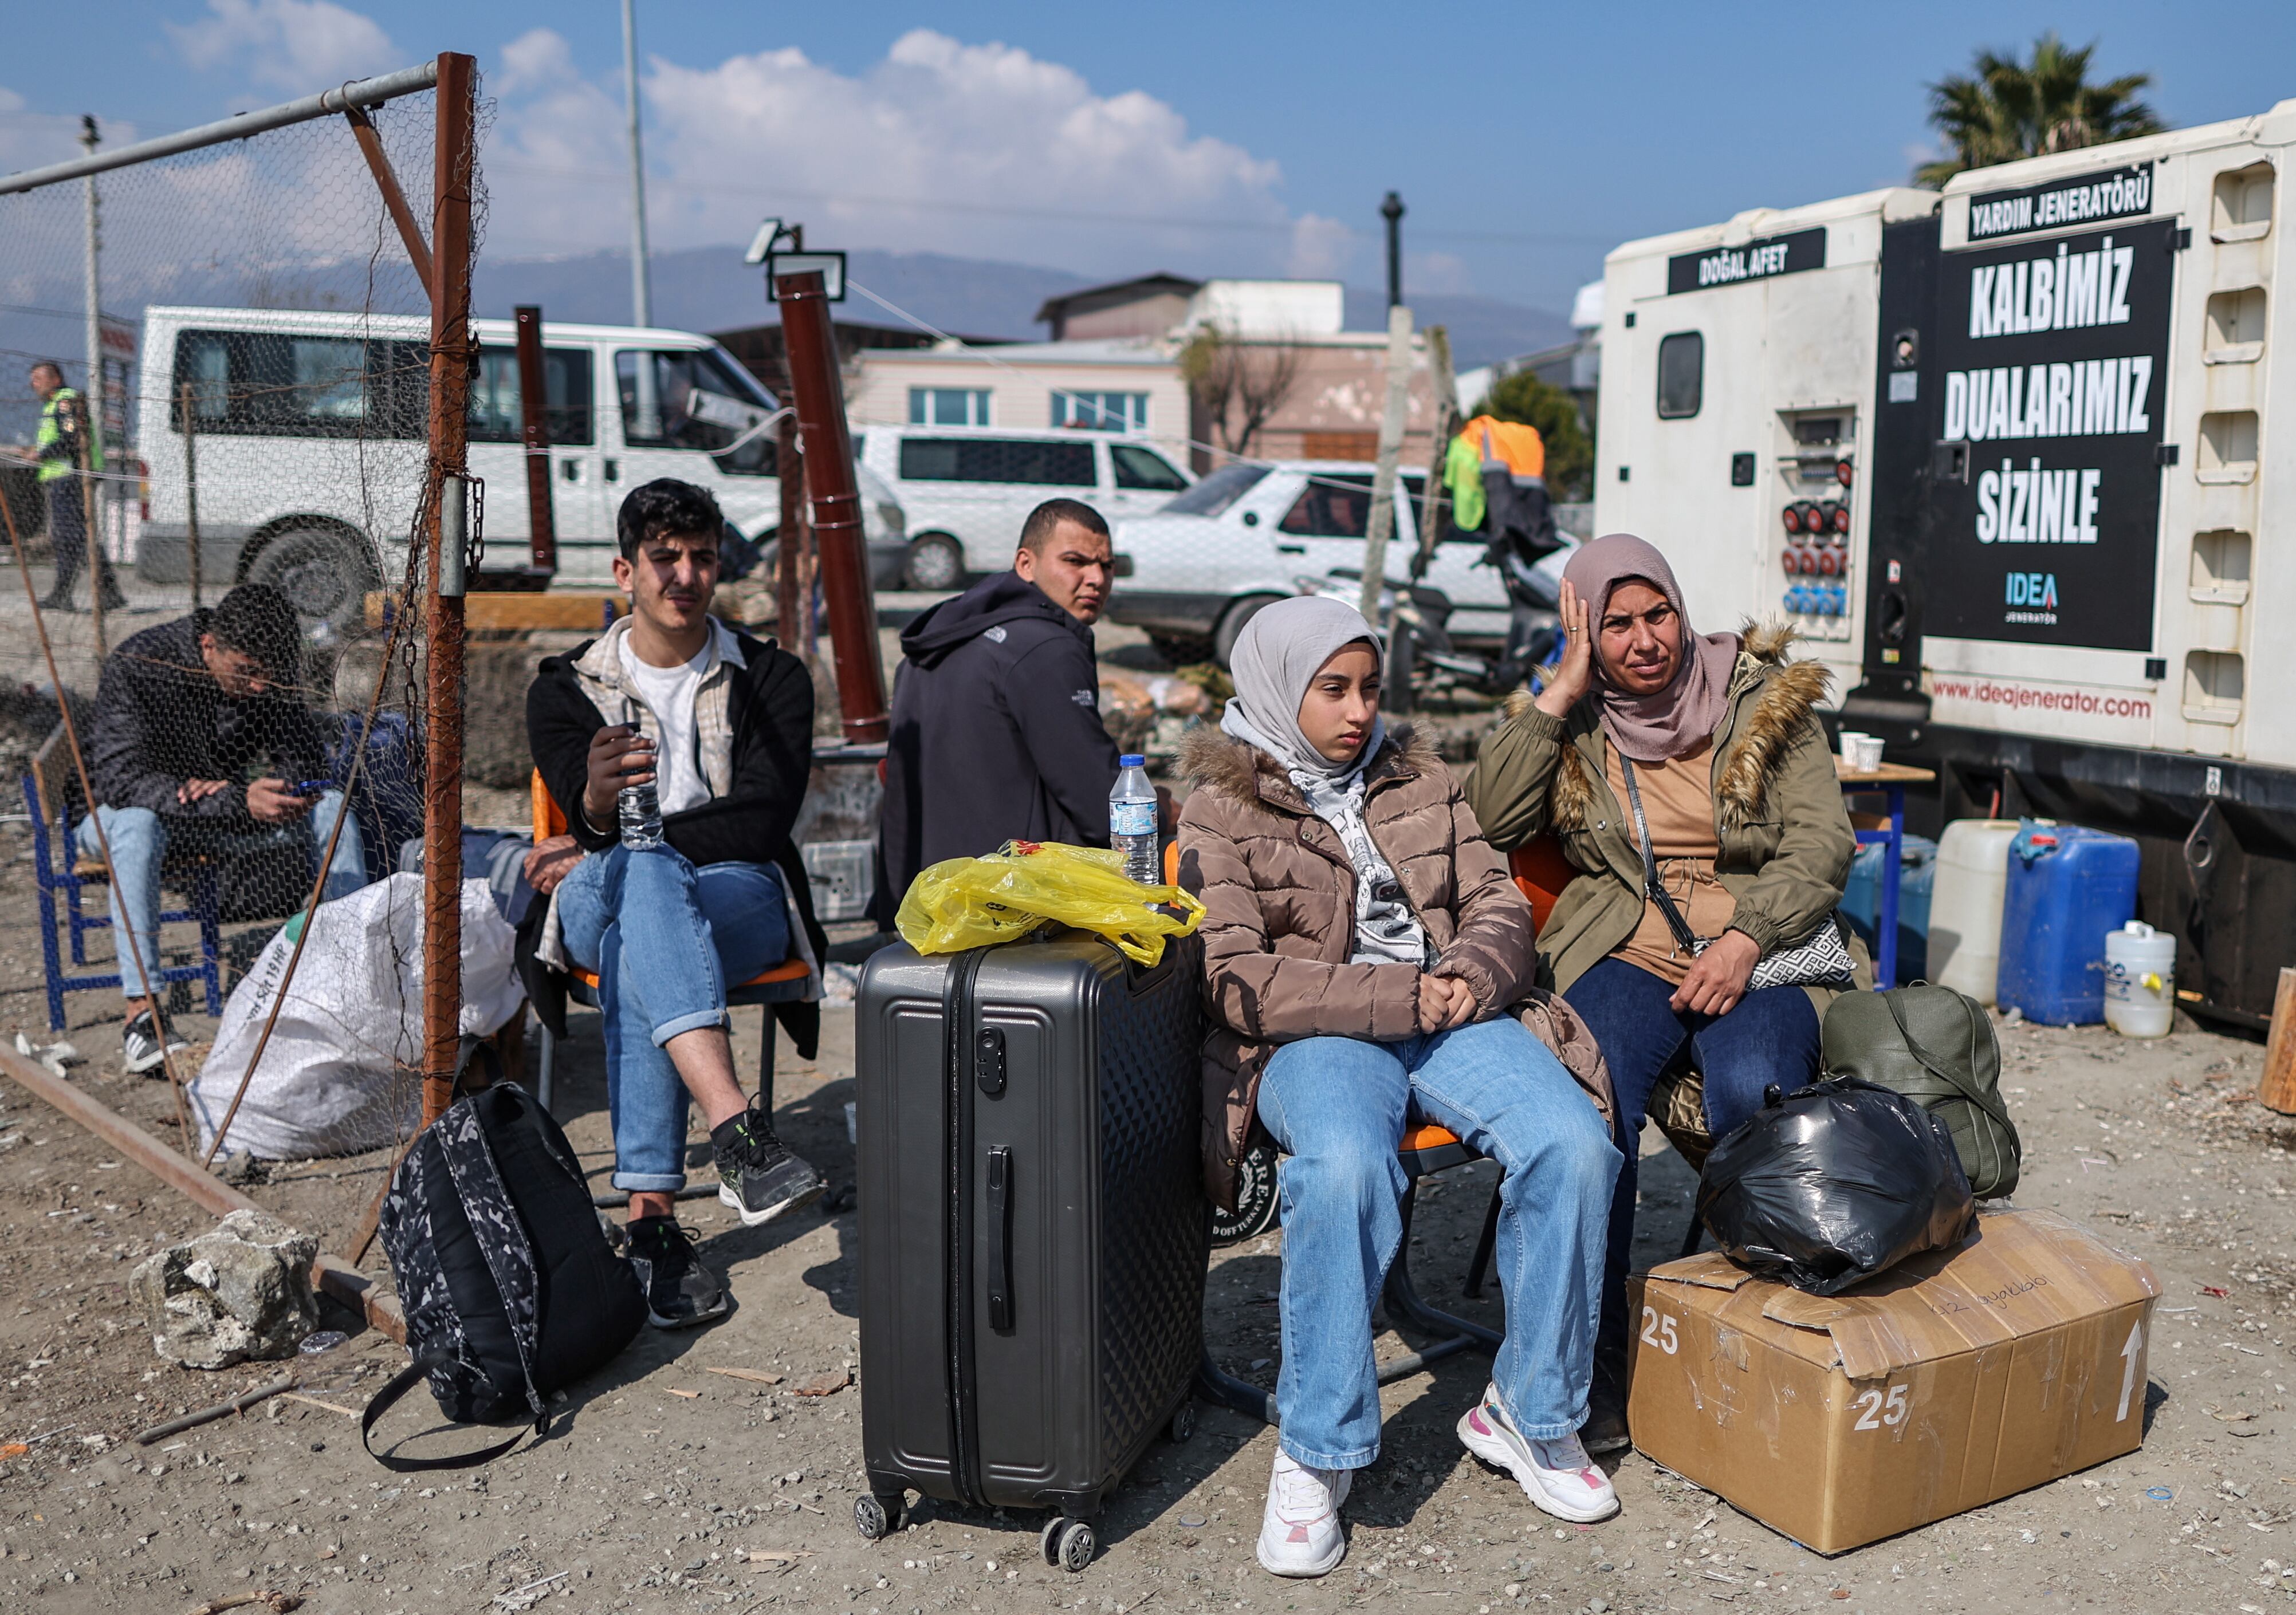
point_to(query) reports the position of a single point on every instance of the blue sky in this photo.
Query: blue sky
(1111, 139)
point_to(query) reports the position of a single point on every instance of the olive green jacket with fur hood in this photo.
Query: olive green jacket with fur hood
(1279, 929)
(1784, 835)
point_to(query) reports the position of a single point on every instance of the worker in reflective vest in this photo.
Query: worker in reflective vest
(65, 448)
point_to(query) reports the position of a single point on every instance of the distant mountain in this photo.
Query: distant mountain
(1483, 329)
(711, 289)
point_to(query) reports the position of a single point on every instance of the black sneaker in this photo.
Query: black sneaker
(680, 1292)
(757, 1177)
(147, 1043)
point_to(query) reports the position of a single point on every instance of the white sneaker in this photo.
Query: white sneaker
(1557, 1474)
(1299, 1533)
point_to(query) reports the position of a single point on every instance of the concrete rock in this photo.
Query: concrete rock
(241, 1290)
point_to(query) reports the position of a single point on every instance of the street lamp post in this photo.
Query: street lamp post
(1391, 210)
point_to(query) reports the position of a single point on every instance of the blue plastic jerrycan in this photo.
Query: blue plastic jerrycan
(1861, 903)
(2068, 888)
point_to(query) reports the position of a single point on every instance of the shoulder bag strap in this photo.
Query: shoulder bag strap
(405, 1380)
(1992, 1103)
(1652, 886)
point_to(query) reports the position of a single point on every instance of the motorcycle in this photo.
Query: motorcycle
(1422, 658)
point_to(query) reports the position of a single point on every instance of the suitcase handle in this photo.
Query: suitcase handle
(1000, 1239)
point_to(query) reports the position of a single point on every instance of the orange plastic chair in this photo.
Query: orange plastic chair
(1541, 872)
(784, 983)
(1426, 1149)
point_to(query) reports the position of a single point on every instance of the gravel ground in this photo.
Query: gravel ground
(665, 1485)
(670, 1487)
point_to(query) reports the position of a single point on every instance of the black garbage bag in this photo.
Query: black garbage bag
(1829, 1185)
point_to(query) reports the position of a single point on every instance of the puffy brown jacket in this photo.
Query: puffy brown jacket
(1280, 920)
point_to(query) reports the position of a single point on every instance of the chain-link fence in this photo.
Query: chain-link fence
(230, 377)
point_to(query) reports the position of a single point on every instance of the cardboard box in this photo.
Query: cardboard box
(1948, 1382)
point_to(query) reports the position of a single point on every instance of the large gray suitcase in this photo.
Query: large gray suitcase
(1033, 1224)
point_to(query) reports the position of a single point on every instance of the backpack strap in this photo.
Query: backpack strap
(1992, 1103)
(501, 1240)
(405, 1380)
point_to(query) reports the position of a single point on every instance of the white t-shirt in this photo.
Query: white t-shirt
(669, 694)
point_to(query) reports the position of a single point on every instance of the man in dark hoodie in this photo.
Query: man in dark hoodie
(996, 731)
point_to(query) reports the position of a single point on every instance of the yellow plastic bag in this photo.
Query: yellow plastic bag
(964, 903)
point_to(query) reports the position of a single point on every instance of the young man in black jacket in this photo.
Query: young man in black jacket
(184, 712)
(722, 725)
(995, 723)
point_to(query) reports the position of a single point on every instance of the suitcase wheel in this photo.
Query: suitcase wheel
(877, 1516)
(1184, 1422)
(1067, 1544)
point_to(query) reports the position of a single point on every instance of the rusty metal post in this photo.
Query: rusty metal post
(455, 159)
(844, 560)
(789, 465)
(534, 424)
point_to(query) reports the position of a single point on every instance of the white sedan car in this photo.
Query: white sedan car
(1195, 571)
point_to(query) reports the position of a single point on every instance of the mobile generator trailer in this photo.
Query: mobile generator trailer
(2006, 454)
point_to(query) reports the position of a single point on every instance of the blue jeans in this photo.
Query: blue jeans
(1337, 1107)
(1768, 1037)
(664, 939)
(138, 839)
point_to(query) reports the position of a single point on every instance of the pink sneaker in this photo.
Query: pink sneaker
(1557, 1475)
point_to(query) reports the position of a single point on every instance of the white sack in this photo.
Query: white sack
(342, 1071)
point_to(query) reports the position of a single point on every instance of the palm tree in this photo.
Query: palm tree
(2008, 108)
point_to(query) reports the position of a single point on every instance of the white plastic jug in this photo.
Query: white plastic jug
(2140, 976)
(1972, 877)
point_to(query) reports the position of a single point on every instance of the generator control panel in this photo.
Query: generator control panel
(1816, 472)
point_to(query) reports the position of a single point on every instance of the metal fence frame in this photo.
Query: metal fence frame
(442, 263)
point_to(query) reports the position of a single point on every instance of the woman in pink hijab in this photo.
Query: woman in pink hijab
(1706, 750)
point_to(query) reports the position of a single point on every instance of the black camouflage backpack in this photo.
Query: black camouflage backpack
(1937, 1047)
(510, 1289)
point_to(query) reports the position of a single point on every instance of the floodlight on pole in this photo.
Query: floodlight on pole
(761, 245)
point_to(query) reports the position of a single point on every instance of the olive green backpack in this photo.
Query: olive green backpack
(1936, 1046)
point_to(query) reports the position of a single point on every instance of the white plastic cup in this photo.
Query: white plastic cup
(2140, 976)
(1847, 740)
(1869, 754)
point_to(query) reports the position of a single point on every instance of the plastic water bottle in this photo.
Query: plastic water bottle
(1132, 822)
(638, 807)
(640, 811)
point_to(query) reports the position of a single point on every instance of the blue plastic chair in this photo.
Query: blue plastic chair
(62, 874)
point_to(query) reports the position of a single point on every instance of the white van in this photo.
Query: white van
(1200, 565)
(310, 445)
(967, 489)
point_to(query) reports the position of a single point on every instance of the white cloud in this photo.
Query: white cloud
(982, 150)
(1320, 247)
(296, 45)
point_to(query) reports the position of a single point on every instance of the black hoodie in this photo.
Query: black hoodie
(995, 733)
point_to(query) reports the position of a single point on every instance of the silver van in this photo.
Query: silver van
(965, 490)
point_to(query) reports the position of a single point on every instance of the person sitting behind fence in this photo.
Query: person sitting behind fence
(1747, 830)
(1363, 950)
(722, 724)
(183, 710)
